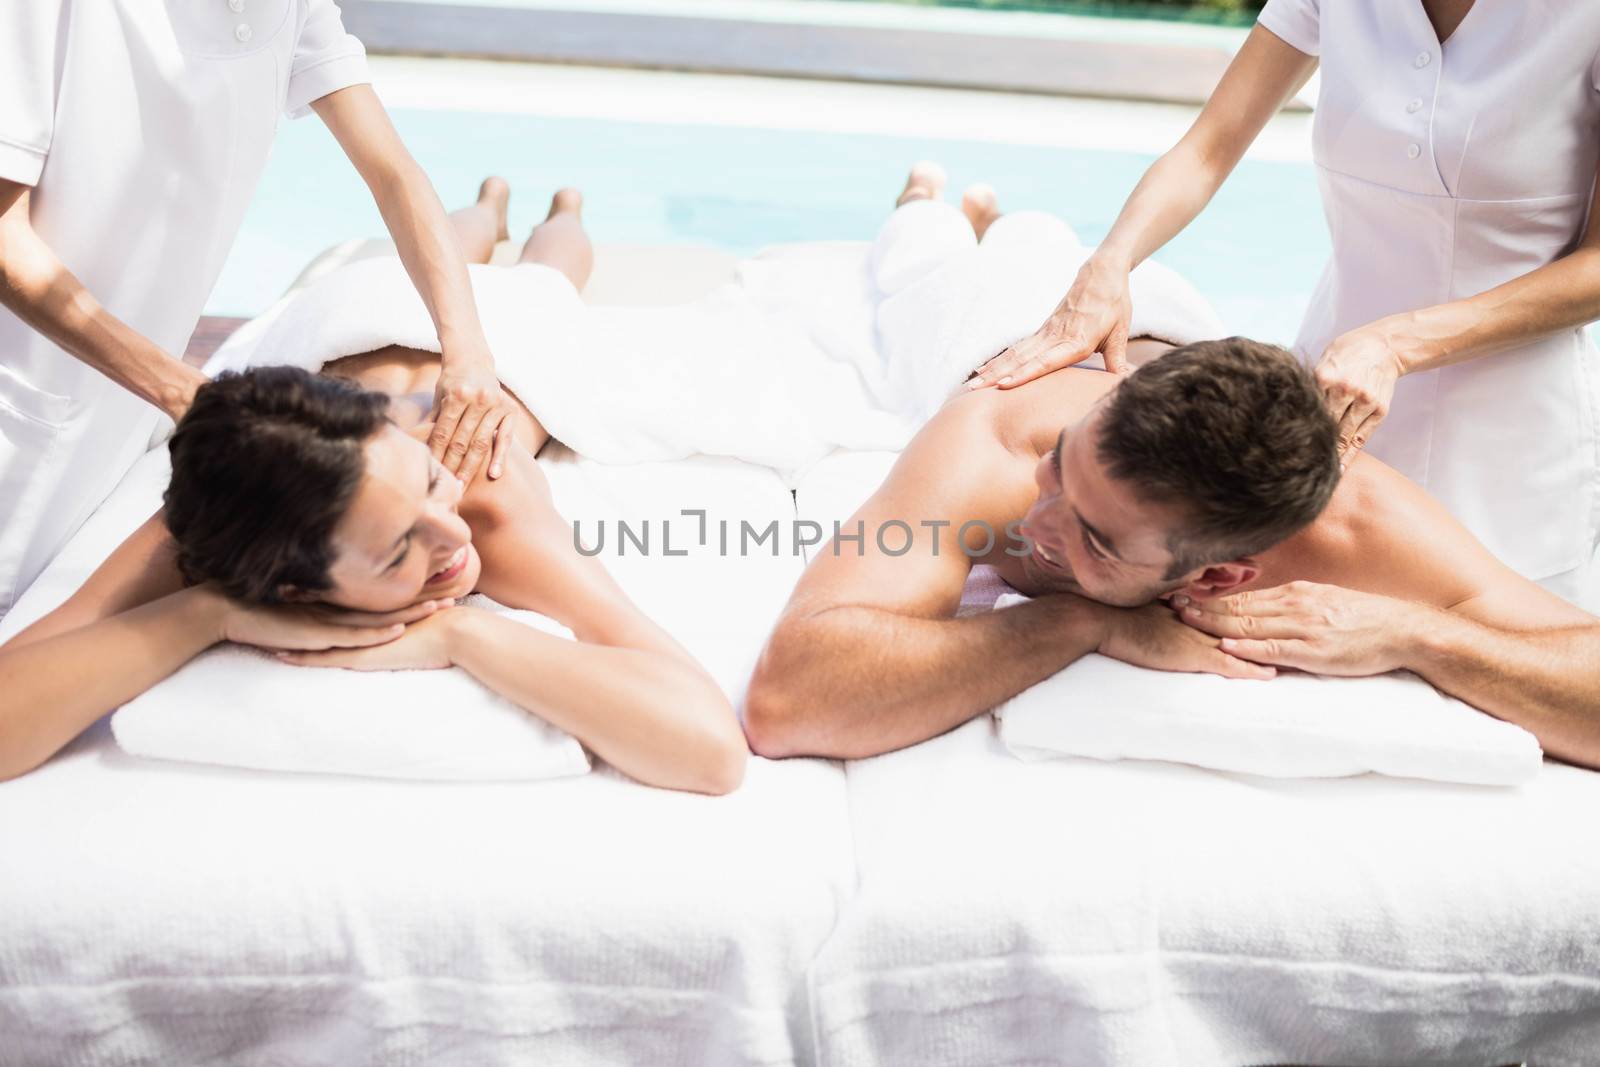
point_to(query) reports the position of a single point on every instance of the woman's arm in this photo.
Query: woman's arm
(1094, 315)
(40, 291)
(1359, 370)
(630, 692)
(129, 626)
(471, 428)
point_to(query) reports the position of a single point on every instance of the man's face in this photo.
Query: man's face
(1091, 534)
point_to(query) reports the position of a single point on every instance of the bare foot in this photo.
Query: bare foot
(495, 194)
(565, 201)
(925, 182)
(981, 207)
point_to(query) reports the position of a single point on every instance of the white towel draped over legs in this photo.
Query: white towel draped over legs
(812, 347)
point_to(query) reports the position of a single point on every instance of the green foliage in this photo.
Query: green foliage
(1225, 12)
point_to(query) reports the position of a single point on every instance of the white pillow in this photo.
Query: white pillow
(241, 707)
(1293, 726)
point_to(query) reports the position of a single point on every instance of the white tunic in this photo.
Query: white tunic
(1445, 171)
(144, 126)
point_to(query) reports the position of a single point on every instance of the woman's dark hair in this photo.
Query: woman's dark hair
(264, 465)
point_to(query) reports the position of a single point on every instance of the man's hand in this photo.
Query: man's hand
(425, 645)
(472, 418)
(1323, 629)
(1151, 637)
(1357, 374)
(1093, 317)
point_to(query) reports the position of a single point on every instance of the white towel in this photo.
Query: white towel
(239, 707)
(715, 377)
(1293, 726)
(947, 303)
(812, 347)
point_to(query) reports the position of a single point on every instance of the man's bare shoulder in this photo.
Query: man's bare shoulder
(1382, 533)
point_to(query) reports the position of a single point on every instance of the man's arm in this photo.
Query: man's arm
(868, 656)
(39, 290)
(1414, 590)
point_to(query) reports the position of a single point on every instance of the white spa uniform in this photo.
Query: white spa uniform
(143, 126)
(1446, 171)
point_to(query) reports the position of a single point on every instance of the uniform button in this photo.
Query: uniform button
(236, 6)
(1413, 151)
(1414, 107)
(242, 32)
(1423, 59)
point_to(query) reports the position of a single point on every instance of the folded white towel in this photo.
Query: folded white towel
(240, 707)
(1294, 726)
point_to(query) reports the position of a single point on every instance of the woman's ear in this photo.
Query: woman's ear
(1221, 579)
(293, 594)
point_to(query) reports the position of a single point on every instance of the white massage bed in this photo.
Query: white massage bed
(1080, 912)
(942, 905)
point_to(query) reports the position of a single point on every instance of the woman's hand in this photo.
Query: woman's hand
(1325, 629)
(424, 645)
(1357, 374)
(306, 627)
(1093, 317)
(472, 417)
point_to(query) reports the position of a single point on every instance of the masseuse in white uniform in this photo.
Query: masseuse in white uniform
(132, 135)
(1456, 144)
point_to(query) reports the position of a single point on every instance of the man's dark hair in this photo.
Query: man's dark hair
(1235, 433)
(264, 465)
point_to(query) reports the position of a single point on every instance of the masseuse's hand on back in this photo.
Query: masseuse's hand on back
(1096, 312)
(472, 417)
(1093, 317)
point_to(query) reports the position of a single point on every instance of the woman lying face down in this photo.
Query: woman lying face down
(302, 518)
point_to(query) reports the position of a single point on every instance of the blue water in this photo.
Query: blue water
(1256, 251)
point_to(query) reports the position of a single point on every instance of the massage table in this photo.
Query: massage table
(946, 904)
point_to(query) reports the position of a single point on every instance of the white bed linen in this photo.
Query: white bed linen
(1153, 915)
(163, 913)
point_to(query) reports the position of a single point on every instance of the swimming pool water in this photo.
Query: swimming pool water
(1255, 252)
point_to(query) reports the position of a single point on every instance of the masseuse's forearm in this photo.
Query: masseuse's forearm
(1264, 75)
(40, 291)
(52, 688)
(411, 211)
(1560, 296)
(853, 681)
(431, 254)
(1172, 193)
(650, 715)
(1547, 682)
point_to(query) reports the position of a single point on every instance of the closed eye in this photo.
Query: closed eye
(399, 559)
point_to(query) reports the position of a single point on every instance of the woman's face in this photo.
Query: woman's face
(401, 541)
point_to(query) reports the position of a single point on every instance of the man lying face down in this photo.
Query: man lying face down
(1190, 517)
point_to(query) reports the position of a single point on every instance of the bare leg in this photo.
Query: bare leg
(560, 241)
(483, 224)
(925, 182)
(981, 206)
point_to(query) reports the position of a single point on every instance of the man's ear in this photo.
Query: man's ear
(1220, 579)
